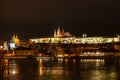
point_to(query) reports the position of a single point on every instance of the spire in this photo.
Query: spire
(58, 31)
(16, 36)
(16, 39)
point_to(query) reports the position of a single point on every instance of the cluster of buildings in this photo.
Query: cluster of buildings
(59, 36)
(20, 48)
(13, 43)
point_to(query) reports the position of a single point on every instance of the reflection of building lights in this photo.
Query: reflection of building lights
(6, 62)
(41, 71)
(11, 69)
(66, 60)
(74, 60)
(99, 62)
(6, 73)
(40, 61)
(40, 67)
(113, 75)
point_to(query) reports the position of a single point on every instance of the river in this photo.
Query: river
(68, 69)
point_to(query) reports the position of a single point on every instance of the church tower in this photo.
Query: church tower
(16, 40)
(58, 32)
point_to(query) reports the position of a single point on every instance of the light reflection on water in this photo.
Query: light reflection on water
(67, 69)
(11, 70)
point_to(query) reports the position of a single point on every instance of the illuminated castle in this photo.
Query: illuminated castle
(61, 33)
(60, 36)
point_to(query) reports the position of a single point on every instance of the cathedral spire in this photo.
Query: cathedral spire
(58, 31)
(16, 36)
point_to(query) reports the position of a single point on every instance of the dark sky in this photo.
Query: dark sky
(39, 18)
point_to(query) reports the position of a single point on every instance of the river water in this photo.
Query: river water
(68, 69)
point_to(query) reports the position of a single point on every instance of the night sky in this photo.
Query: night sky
(39, 18)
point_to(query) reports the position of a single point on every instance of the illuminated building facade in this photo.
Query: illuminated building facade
(66, 38)
(74, 40)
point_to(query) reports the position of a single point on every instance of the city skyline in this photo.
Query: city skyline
(27, 36)
(39, 18)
